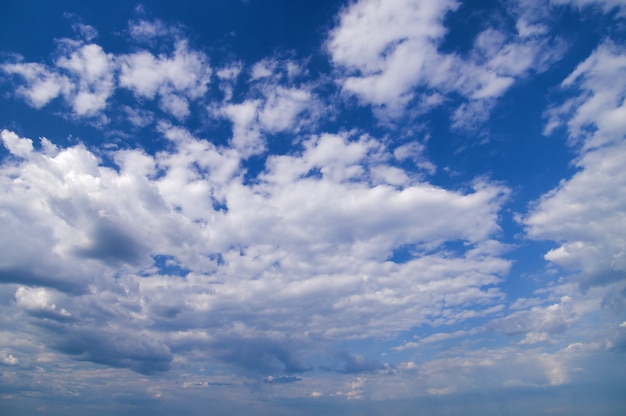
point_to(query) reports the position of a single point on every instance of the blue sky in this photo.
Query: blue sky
(293, 208)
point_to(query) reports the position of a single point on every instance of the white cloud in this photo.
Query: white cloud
(87, 32)
(175, 105)
(182, 76)
(600, 103)
(229, 72)
(83, 75)
(246, 134)
(275, 103)
(472, 114)
(188, 258)
(86, 77)
(138, 117)
(389, 47)
(43, 85)
(388, 53)
(263, 69)
(93, 72)
(415, 151)
(9, 359)
(539, 322)
(438, 337)
(585, 214)
(90, 213)
(146, 30)
(282, 107)
(17, 145)
(34, 299)
(284, 242)
(227, 77)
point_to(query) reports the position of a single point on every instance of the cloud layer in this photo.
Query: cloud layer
(258, 231)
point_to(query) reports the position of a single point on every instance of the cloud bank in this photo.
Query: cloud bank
(279, 232)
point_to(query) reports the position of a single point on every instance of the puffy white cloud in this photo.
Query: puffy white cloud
(84, 220)
(389, 52)
(93, 72)
(9, 359)
(83, 75)
(298, 249)
(246, 134)
(585, 214)
(43, 85)
(175, 105)
(600, 103)
(263, 69)
(276, 103)
(282, 107)
(415, 151)
(389, 47)
(177, 78)
(234, 274)
(138, 117)
(18, 146)
(86, 76)
(227, 76)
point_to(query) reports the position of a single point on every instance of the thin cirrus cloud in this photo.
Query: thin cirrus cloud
(252, 233)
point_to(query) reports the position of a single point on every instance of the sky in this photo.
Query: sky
(279, 207)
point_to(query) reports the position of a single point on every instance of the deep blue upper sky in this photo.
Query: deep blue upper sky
(289, 207)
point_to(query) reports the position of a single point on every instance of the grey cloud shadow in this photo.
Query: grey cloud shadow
(259, 356)
(25, 276)
(122, 350)
(111, 243)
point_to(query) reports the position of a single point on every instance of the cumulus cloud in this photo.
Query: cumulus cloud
(595, 117)
(176, 79)
(585, 213)
(388, 53)
(42, 86)
(185, 71)
(388, 48)
(83, 74)
(589, 233)
(84, 220)
(93, 71)
(277, 102)
(86, 76)
(257, 250)
(9, 359)
(38, 300)
(262, 247)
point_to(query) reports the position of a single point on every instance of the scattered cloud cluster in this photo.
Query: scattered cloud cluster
(282, 256)
(590, 234)
(84, 78)
(101, 232)
(398, 58)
